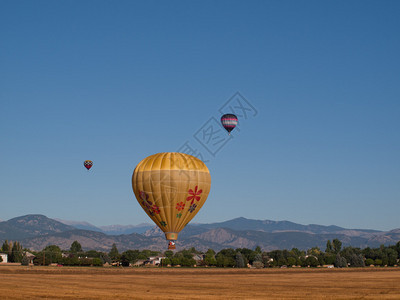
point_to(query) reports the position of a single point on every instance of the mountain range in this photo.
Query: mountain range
(37, 231)
(111, 229)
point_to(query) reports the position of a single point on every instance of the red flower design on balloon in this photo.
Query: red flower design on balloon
(156, 209)
(180, 206)
(194, 195)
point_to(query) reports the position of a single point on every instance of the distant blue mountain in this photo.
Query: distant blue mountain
(126, 229)
(37, 231)
(276, 226)
(29, 226)
(111, 229)
(80, 225)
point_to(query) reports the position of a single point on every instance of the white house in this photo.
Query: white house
(4, 257)
(154, 260)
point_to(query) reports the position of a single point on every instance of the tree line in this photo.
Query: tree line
(334, 254)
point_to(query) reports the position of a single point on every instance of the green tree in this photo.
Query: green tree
(105, 258)
(94, 254)
(311, 261)
(300, 260)
(321, 259)
(314, 251)
(239, 260)
(6, 247)
(194, 251)
(175, 261)
(340, 262)
(392, 256)
(166, 261)
(248, 254)
(337, 246)
(41, 259)
(76, 247)
(356, 260)
(169, 253)
(266, 260)
(282, 261)
(144, 254)
(329, 248)
(114, 254)
(348, 252)
(226, 258)
(129, 257)
(258, 257)
(370, 253)
(385, 260)
(187, 262)
(187, 253)
(397, 248)
(296, 252)
(16, 253)
(209, 258)
(210, 252)
(278, 257)
(53, 253)
(291, 261)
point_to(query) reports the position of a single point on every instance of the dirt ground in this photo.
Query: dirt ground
(18, 282)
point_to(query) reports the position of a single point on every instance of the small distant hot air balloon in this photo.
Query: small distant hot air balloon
(171, 188)
(88, 164)
(229, 121)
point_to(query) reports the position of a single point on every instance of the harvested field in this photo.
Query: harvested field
(18, 282)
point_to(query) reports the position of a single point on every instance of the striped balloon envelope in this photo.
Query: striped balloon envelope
(88, 164)
(171, 188)
(229, 121)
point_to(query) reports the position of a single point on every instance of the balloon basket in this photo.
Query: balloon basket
(171, 246)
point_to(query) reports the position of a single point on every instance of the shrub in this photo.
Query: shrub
(97, 262)
(25, 261)
(166, 262)
(258, 264)
(369, 261)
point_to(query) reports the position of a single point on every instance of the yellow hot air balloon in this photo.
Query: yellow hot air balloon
(171, 188)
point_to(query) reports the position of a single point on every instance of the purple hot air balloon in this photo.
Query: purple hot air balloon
(229, 121)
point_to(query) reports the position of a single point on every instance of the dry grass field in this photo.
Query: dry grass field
(18, 282)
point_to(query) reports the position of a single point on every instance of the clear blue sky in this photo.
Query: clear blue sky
(116, 81)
